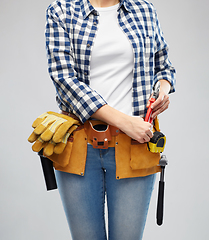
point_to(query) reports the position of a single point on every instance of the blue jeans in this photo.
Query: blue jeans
(83, 199)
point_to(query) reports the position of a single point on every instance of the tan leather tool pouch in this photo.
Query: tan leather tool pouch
(73, 158)
(142, 158)
(63, 158)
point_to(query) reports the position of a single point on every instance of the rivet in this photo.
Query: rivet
(116, 143)
(117, 177)
(81, 174)
(117, 131)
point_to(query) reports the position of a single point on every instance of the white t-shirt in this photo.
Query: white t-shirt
(112, 62)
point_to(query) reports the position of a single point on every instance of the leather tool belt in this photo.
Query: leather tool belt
(132, 158)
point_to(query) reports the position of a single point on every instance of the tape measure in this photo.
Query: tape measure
(157, 142)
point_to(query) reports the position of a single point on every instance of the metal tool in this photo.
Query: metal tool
(160, 203)
(157, 142)
(155, 95)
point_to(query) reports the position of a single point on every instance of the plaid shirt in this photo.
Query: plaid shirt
(70, 32)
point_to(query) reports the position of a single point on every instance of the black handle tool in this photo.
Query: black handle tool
(48, 171)
(163, 162)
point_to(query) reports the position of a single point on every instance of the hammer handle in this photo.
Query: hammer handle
(160, 203)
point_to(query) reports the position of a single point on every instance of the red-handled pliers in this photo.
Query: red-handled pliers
(152, 100)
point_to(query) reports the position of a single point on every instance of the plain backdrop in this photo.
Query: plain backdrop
(27, 210)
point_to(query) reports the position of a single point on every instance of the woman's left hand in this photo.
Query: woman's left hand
(162, 102)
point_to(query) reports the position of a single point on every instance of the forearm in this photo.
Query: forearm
(111, 116)
(135, 127)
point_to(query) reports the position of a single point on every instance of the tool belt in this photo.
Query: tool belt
(133, 159)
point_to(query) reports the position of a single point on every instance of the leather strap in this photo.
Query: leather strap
(70, 115)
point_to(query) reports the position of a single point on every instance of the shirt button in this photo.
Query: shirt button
(95, 23)
(95, 13)
(88, 45)
(85, 73)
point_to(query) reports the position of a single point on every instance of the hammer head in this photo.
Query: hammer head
(163, 161)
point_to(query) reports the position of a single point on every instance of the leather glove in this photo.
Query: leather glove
(51, 132)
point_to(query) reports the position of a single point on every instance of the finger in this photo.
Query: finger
(162, 109)
(158, 101)
(159, 111)
(149, 133)
(163, 104)
(165, 101)
(146, 138)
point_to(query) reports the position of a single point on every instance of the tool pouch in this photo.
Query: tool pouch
(73, 158)
(63, 158)
(99, 133)
(141, 157)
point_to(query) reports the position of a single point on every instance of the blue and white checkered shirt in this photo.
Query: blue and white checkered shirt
(70, 32)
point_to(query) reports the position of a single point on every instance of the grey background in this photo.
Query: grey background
(27, 210)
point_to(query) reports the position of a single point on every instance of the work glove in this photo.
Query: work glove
(51, 132)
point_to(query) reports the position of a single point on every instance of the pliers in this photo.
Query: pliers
(155, 95)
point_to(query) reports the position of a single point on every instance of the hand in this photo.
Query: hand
(162, 102)
(160, 105)
(137, 129)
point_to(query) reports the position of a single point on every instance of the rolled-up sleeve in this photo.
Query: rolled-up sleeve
(163, 66)
(75, 95)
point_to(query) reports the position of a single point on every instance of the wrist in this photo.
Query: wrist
(165, 86)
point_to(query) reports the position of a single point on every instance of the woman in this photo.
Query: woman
(105, 57)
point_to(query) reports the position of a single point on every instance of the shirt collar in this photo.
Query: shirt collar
(87, 8)
(125, 4)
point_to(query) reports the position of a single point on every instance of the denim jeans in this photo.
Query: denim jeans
(83, 199)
